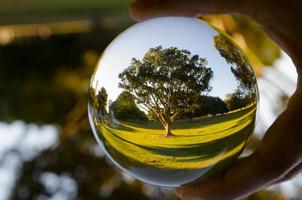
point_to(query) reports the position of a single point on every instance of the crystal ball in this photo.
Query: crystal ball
(172, 101)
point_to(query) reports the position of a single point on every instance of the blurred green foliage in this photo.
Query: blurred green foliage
(43, 79)
(34, 10)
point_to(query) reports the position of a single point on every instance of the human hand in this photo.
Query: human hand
(279, 155)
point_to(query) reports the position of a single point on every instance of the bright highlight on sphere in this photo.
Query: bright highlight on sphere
(172, 101)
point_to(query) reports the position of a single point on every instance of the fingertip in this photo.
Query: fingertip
(133, 11)
(137, 9)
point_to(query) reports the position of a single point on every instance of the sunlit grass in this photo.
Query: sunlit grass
(197, 144)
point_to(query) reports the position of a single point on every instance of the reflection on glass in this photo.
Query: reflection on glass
(172, 101)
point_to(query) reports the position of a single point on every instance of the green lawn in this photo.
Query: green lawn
(197, 144)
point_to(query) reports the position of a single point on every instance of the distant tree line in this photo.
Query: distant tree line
(124, 107)
(207, 105)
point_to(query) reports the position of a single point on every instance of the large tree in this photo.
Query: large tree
(167, 82)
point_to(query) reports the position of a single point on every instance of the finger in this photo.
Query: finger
(291, 174)
(144, 9)
(203, 191)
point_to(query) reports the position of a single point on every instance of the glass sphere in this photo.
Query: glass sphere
(172, 101)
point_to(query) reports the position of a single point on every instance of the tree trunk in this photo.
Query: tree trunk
(168, 130)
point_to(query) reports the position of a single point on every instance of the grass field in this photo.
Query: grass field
(197, 144)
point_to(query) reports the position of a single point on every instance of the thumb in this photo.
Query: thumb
(144, 9)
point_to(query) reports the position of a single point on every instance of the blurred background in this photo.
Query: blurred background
(48, 51)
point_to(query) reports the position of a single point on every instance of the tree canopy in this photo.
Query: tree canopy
(167, 82)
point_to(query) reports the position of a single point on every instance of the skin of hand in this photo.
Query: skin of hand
(279, 155)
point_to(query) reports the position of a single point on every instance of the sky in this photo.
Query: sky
(181, 32)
